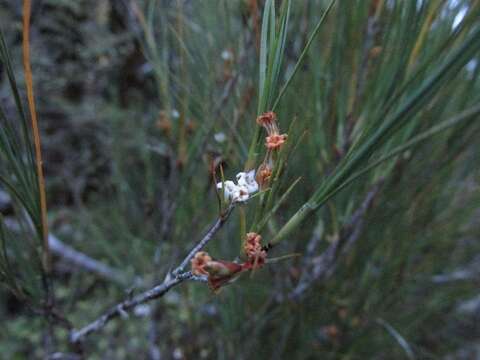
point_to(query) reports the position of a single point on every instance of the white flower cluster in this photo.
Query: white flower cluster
(240, 192)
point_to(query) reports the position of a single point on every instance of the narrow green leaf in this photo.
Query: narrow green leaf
(279, 203)
(311, 206)
(303, 55)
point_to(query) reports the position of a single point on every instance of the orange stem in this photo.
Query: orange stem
(36, 134)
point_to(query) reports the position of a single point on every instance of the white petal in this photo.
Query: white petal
(248, 180)
(230, 189)
(251, 175)
(230, 185)
(252, 187)
(241, 176)
(241, 194)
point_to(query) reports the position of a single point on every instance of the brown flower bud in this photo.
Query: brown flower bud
(253, 249)
(199, 262)
(269, 121)
(266, 118)
(220, 268)
(275, 141)
(221, 272)
(264, 173)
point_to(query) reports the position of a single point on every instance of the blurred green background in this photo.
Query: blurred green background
(137, 102)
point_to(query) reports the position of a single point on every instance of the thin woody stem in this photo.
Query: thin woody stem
(204, 241)
(178, 277)
(128, 304)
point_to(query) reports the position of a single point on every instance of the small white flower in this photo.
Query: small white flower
(248, 180)
(229, 190)
(242, 191)
(233, 192)
(240, 194)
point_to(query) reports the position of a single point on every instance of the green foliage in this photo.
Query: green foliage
(383, 128)
(20, 265)
(368, 91)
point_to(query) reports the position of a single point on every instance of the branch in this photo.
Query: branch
(202, 243)
(173, 279)
(467, 273)
(86, 262)
(128, 304)
(78, 258)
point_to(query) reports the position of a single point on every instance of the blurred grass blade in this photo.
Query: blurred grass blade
(445, 125)
(263, 56)
(303, 54)
(277, 205)
(280, 47)
(6, 61)
(405, 112)
(22, 266)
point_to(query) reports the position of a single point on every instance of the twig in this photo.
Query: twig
(167, 203)
(469, 307)
(467, 273)
(64, 356)
(86, 262)
(173, 279)
(122, 308)
(457, 275)
(202, 243)
(78, 258)
(5, 200)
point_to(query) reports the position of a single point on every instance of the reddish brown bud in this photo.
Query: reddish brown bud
(253, 249)
(220, 268)
(269, 121)
(275, 141)
(266, 118)
(199, 262)
(221, 272)
(264, 173)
